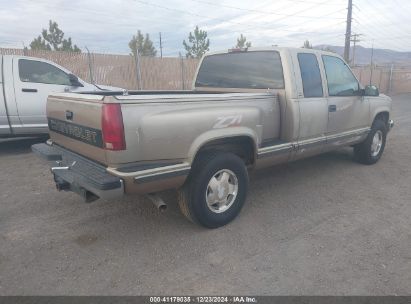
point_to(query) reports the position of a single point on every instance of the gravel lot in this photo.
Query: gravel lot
(320, 226)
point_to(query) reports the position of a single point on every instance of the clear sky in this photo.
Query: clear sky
(107, 26)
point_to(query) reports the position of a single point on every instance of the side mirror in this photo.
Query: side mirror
(74, 81)
(371, 90)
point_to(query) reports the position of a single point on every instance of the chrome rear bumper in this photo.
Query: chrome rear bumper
(75, 173)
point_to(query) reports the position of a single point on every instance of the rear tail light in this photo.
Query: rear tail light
(112, 127)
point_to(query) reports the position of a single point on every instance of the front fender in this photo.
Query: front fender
(379, 105)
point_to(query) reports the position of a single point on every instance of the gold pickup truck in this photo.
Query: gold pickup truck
(249, 108)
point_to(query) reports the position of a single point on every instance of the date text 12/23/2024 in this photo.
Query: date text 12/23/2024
(204, 299)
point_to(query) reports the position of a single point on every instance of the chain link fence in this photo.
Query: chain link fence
(390, 78)
(154, 73)
(125, 71)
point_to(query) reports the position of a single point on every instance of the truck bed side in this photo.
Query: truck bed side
(195, 120)
(183, 123)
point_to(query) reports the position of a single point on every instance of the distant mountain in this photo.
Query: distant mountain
(363, 55)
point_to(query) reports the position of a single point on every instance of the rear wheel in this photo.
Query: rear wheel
(216, 189)
(369, 151)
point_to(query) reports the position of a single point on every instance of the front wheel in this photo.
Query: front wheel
(215, 191)
(369, 151)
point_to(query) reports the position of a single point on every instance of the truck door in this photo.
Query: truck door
(34, 80)
(347, 111)
(313, 106)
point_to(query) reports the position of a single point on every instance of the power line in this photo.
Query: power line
(251, 28)
(224, 20)
(292, 28)
(268, 12)
(404, 10)
(385, 17)
(382, 33)
(312, 32)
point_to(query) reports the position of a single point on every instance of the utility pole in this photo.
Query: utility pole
(24, 49)
(161, 47)
(348, 32)
(182, 70)
(138, 69)
(371, 65)
(355, 40)
(390, 83)
(90, 68)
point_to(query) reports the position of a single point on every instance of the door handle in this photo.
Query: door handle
(29, 90)
(332, 108)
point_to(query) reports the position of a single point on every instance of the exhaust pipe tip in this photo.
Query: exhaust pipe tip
(157, 201)
(162, 208)
(62, 185)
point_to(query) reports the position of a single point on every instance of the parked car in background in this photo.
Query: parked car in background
(249, 108)
(25, 83)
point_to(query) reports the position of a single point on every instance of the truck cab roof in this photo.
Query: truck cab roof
(273, 48)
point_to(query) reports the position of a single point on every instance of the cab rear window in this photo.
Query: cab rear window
(249, 70)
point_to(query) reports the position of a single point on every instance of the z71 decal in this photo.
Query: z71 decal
(228, 121)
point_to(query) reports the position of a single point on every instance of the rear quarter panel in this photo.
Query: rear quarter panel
(177, 129)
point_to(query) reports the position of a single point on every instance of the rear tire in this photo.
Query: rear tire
(370, 150)
(215, 190)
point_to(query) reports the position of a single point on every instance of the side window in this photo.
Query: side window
(310, 74)
(41, 72)
(340, 79)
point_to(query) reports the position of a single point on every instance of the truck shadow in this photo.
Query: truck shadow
(19, 145)
(305, 168)
(261, 181)
(138, 209)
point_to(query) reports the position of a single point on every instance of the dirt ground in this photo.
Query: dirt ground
(320, 226)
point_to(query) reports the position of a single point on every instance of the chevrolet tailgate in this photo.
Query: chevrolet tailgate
(75, 123)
